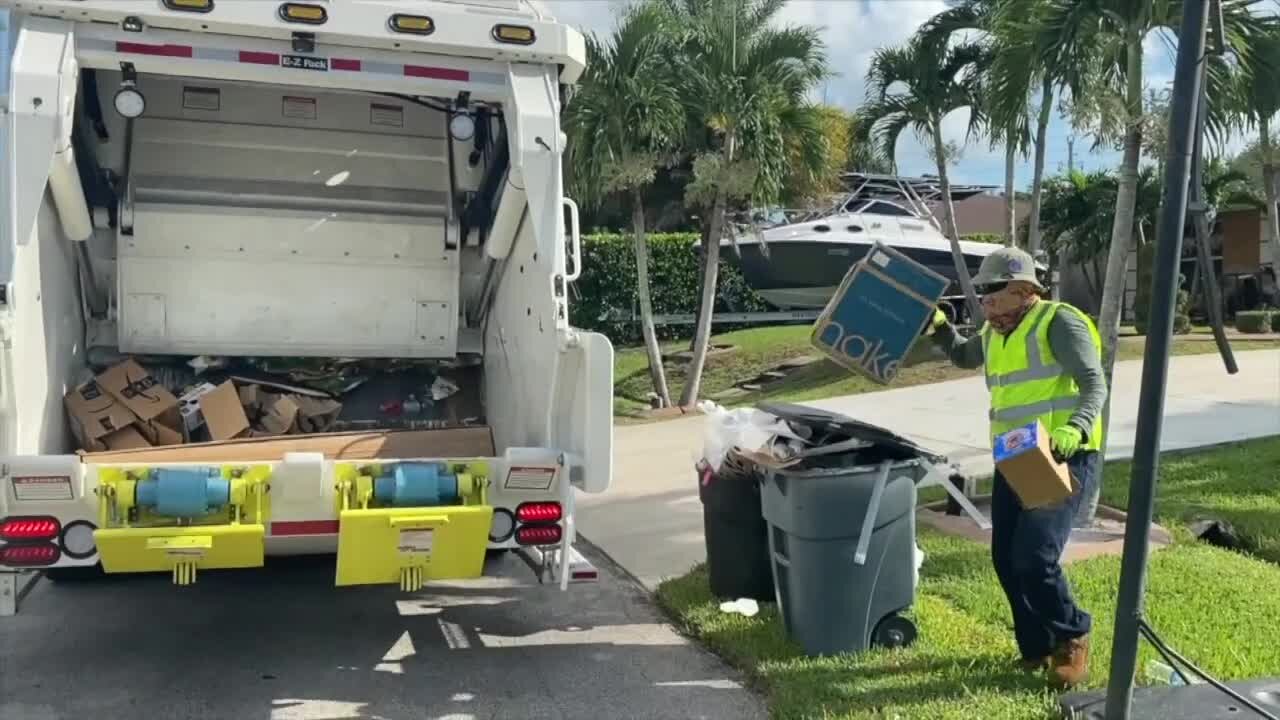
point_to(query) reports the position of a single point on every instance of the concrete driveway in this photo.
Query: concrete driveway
(287, 645)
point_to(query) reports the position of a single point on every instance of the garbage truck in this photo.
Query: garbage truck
(263, 179)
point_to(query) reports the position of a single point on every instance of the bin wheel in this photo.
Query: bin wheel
(894, 631)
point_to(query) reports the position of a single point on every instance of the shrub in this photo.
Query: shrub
(1254, 321)
(604, 298)
(1275, 322)
(989, 238)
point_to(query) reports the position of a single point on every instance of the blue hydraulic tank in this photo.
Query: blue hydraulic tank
(417, 485)
(186, 492)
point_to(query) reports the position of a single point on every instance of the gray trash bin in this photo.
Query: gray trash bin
(842, 535)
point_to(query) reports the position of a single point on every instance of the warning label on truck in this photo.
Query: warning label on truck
(38, 488)
(530, 478)
(417, 542)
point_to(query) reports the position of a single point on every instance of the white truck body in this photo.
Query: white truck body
(292, 189)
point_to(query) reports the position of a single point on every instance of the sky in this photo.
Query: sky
(853, 30)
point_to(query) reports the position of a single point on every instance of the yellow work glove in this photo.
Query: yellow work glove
(939, 319)
(1066, 440)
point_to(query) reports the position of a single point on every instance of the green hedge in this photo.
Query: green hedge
(604, 298)
(1254, 321)
(1275, 322)
(989, 238)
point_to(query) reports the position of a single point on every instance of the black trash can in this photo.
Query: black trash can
(736, 533)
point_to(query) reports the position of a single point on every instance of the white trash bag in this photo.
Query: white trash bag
(746, 429)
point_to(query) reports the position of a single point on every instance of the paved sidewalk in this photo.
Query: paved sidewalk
(650, 521)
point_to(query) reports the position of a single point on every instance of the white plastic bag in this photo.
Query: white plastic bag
(915, 575)
(743, 428)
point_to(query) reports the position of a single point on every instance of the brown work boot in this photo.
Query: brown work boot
(1069, 665)
(1033, 665)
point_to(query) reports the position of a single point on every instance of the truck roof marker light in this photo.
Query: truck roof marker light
(514, 34)
(29, 555)
(27, 528)
(199, 6)
(301, 13)
(412, 24)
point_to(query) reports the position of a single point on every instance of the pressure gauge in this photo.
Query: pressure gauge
(129, 102)
(462, 127)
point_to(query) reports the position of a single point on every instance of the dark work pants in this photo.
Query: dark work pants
(1026, 546)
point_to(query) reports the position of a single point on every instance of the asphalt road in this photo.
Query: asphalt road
(284, 644)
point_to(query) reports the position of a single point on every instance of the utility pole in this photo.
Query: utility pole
(1071, 154)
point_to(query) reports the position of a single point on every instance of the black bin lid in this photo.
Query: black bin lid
(822, 422)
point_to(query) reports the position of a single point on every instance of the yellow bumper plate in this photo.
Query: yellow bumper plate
(410, 546)
(209, 547)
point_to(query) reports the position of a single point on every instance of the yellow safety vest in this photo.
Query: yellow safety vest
(1025, 379)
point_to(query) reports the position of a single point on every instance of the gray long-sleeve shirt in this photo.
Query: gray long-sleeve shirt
(1072, 345)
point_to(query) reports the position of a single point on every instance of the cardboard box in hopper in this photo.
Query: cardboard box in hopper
(878, 313)
(95, 414)
(135, 387)
(1024, 456)
(223, 413)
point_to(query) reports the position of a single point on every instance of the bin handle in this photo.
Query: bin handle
(419, 521)
(873, 510)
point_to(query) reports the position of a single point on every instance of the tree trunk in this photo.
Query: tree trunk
(1037, 176)
(1010, 209)
(1112, 305)
(953, 232)
(656, 372)
(1090, 279)
(710, 275)
(1271, 187)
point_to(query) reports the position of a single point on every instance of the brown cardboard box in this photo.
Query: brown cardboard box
(316, 415)
(250, 398)
(1024, 457)
(279, 418)
(139, 391)
(223, 413)
(126, 438)
(472, 442)
(94, 413)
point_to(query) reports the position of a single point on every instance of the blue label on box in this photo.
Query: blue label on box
(877, 316)
(1015, 442)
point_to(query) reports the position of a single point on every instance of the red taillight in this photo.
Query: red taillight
(539, 512)
(29, 555)
(17, 529)
(538, 535)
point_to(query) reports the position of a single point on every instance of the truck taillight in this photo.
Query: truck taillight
(302, 13)
(22, 529)
(539, 512)
(36, 555)
(539, 535)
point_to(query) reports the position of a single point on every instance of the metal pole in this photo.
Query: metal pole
(1155, 366)
(1204, 258)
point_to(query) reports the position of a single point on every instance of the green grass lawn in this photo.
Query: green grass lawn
(1207, 602)
(761, 349)
(1239, 483)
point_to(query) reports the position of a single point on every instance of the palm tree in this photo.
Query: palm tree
(1260, 101)
(622, 123)
(1098, 47)
(745, 84)
(915, 86)
(1006, 110)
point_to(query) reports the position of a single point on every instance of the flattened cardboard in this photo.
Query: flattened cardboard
(316, 415)
(223, 413)
(94, 413)
(1024, 456)
(250, 398)
(279, 417)
(138, 390)
(471, 442)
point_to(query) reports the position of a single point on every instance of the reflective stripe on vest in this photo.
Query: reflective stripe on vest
(1036, 368)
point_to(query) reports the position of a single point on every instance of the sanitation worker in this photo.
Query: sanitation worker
(1043, 361)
